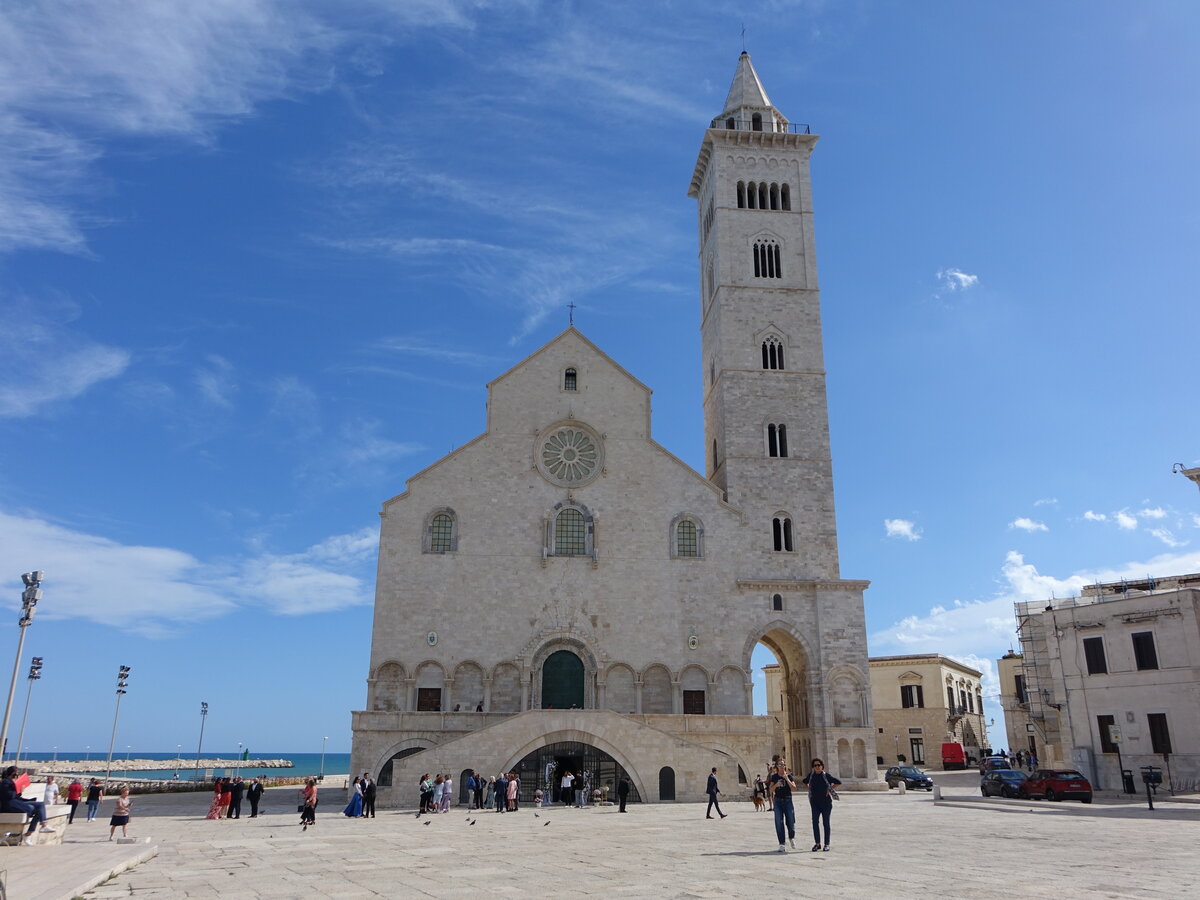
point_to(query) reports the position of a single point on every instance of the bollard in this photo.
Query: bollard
(937, 792)
(901, 787)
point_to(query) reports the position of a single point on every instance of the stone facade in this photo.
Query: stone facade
(923, 700)
(1018, 727)
(617, 594)
(1124, 655)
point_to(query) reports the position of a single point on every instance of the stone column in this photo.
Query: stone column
(410, 691)
(749, 698)
(637, 686)
(676, 697)
(487, 694)
(447, 694)
(601, 694)
(710, 698)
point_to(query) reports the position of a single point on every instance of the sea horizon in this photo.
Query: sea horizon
(303, 763)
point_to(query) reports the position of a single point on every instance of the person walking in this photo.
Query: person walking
(120, 816)
(820, 800)
(94, 795)
(74, 795)
(254, 794)
(712, 790)
(623, 792)
(308, 811)
(368, 796)
(780, 786)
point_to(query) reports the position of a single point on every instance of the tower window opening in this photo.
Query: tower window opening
(741, 195)
(756, 122)
(752, 196)
(730, 124)
(777, 603)
(774, 196)
(781, 528)
(785, 197)
(767, 260)
(763, 202)
(772, 353)
(716, 462)
(777, 440)
(569, 380)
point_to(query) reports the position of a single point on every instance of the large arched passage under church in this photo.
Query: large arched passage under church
(543, 770)
(562, 681)
(788, 694)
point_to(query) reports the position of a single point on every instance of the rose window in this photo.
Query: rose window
(569, 456)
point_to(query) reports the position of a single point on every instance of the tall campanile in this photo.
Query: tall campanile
(765, 415)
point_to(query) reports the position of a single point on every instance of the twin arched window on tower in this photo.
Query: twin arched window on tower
(781, 533)
(767, 261)
(777, 440)
(760, 195)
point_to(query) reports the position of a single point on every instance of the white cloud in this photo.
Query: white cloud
(1196, 520)
(44, 361)
(1125, 521)
(1095, 516)
(1026, 524)
(956, 279)
(216, 381)
(1167, 537)
(1046, 501)
(1156, 513)
(902, 528)
(157, 591)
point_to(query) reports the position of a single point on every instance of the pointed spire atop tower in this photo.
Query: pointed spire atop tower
(748, 108)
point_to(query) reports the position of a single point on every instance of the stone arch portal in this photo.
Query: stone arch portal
(542, 769)
(799, 710)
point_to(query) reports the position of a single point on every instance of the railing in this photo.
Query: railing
(733, 124)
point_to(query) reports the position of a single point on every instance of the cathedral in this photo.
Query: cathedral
(620, 593)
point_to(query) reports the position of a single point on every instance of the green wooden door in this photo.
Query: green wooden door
(562, 681)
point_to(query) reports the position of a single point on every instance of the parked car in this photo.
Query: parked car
(993, 762)
(1057, 784)
(912, 777)
(1002, 783)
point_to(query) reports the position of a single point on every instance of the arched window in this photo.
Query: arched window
(777, 440)
(785, 197)
(772, 353)
(441, 532)
(781, 532)
(751, 196)
(777, 602)
(730, 124)
(763, 201)
(767, 260)
(569, 380)
(774, 196)
(756, 122)
(570, 533)
(741, 195)
(687, 537)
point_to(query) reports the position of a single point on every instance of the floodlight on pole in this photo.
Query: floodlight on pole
(203, 716)
(29, 600)
(35, 673)
(122, 683)
(323, 740)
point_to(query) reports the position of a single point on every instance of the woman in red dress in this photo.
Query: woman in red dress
(214, 808)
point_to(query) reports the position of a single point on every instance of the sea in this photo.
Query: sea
(304, 763)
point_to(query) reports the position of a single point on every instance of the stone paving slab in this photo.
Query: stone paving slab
(67, 870)
(884, 846)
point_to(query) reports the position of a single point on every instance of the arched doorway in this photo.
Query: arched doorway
(666, 783)
(562, 681)
(780, 665)
(543, 769)
(385, 774)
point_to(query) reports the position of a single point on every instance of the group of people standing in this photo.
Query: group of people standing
(227, 798)
(436, 793)
(362, 798)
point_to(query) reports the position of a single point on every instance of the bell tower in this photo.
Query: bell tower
(765, 413)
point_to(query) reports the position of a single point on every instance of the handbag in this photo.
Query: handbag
(834, 794)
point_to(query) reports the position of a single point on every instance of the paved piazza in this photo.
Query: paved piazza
(884, 845)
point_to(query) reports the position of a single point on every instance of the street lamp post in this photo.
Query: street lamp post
(178, 759)
(29, 600)
(122, 683)
(35, 673)
(87, 753)
(55, 755)
(128, 750)
(203, 716)
(322, 775)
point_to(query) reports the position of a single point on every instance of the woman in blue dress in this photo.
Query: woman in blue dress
(354, 808)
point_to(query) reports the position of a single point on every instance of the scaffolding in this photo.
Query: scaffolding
(1041, 703)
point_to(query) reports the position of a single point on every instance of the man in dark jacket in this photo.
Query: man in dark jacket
(236, 790)
(368, 789)
(254, 794)
(712, 790)
(623, 792)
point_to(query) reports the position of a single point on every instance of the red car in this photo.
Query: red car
(1056, 784)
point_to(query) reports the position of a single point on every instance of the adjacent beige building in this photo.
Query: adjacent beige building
(1111, 679)
(564, 593)
(922, 701)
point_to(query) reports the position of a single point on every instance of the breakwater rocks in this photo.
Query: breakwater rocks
(160, 765)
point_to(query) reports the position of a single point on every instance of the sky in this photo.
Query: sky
(258, 260)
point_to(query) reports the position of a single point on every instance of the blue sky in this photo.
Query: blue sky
(258, 260)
